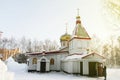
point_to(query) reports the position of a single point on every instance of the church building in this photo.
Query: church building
(73, 57)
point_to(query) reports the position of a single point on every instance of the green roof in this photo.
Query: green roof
(80, 32)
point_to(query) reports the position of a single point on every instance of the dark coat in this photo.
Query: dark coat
(104, 71)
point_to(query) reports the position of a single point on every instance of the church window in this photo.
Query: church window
(34, 61)
(52, 61)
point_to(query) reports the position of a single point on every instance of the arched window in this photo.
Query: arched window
(52, 61)
(34, 61)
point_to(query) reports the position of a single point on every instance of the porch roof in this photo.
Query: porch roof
(83, 56)
(93, 54)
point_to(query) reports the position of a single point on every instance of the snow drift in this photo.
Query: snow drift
(4, 74)
(15, 67)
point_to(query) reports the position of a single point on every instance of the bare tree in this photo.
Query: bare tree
(29, 46)
(4, 42)
(118, 39)
(112, 12)
(22, 44)
(37, 46)
(10, 43)
(106, 53)
(95, 44)
(50, 46)
(112, 53)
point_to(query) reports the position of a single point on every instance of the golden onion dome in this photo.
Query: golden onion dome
(65, 37)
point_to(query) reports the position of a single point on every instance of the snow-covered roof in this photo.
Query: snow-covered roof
(51, 52)
(93, 55)
(74, 57)
(81, 56)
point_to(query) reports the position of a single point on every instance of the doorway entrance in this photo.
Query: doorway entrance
(81, 68)
(43, 65)
(92, 69)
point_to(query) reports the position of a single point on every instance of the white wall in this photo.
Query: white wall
(32, 66)
(76, 67)
(78, 46)
(71, 66)
(68, 66)
(57, 61)
(52, 67)
(57, 58)
(47, 66)
(38, 65)
(85, 68)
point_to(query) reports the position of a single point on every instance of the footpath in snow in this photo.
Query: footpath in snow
(20, 73)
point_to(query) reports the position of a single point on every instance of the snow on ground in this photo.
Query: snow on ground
(20, 73)
(16, 67)
(4, 74)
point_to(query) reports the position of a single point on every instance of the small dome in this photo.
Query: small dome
(65, 37)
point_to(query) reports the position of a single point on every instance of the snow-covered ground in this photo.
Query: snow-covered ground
(20, 73)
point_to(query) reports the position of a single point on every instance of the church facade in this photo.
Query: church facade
(73, 56)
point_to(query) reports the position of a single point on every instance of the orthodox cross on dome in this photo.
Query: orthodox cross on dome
(78, 12)
(66, 27)
(78, 17)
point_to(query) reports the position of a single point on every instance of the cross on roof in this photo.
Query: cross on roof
(78, 11)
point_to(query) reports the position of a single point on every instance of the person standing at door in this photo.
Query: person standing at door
(104, 72)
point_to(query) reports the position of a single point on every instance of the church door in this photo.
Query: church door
(43, 65)
(92, 69)
(81, 68)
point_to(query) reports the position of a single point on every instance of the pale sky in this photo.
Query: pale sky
(46, 19)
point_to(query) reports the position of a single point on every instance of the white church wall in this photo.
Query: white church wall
(68, 66)
(34, 67)
(31, 66)
(70, 46)
(57, 61)
(75, 66)
(59, 58)
(51, 56)
(38, 65)
(85, 67)
(47, 66)
(78, 46)
(62, 65)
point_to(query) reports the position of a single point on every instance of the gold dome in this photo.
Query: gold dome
(65, 37)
